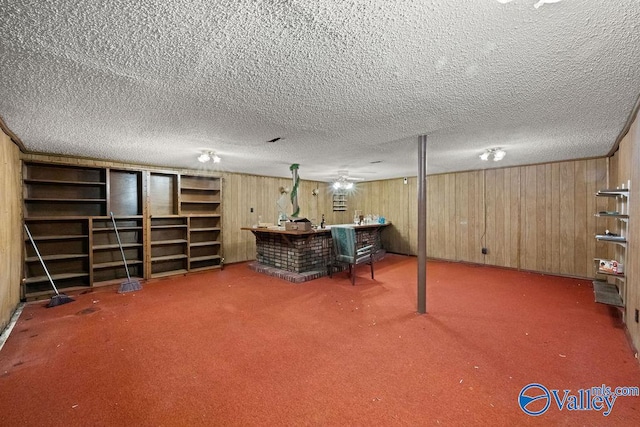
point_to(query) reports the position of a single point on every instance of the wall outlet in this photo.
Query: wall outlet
(484, 251)
(251, 210)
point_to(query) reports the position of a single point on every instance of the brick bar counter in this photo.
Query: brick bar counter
(298, 256)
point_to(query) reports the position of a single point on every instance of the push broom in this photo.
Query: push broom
(58, 298)
(129, 285)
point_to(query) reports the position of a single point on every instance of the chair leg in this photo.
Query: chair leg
(371, 268)
(353, 275)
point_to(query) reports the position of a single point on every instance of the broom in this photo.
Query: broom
(129, 285)
(58, 298)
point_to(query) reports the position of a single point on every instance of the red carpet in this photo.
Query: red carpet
(234, 347)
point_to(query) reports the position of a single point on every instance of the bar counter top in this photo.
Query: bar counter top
(327, 229)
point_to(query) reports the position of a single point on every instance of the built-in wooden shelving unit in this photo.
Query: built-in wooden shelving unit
(169, 223)
(609, 288)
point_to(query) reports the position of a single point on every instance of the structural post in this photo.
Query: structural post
(422, 224)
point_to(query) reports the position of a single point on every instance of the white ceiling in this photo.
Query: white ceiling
(343, 83)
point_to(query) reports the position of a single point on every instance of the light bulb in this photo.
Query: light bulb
(204, 157)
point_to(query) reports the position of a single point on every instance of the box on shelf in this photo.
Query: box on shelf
(297, 224)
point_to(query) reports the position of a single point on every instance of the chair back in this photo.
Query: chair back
(344, 243)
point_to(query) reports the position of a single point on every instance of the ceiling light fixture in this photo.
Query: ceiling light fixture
(342, 184)
(207, 156)
(541, 2)
(496, 154)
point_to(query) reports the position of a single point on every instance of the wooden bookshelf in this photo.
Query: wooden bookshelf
(169, 223)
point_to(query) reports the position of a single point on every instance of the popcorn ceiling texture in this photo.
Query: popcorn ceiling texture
(344, 83)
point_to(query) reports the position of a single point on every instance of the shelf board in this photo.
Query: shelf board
(209, 243)
(168, 257)
(54, 218)
(198, 202)
(47, 200)
(208, 267)
(116, 246)
(39, 294)
(611, 215)
(57, 257)
(613, 192)
(613, 239)
(205, 229)
(115, 264)
(102, 230)
(108, 217)
(57, 182)
(159, 227)
(205, 215)
(59, 237)
(204, 258)
(606, 273)
(55, 277)
(169, 242)
(196, 188)
(606, 293)
(168, 273)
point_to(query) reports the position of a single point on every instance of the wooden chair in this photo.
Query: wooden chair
(346, 252)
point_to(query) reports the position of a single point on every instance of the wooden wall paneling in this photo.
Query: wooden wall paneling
(512, 226)
(528, 243)
(500, 241)
(432, 212)
(124, 192)
(493, 199)
(233, 247)
(461, 212)
(437, 223)
(567, 215)
(632, 140)
(596, 180)
(411, 193)
(580, 267)
(11, 231)
(553, 188)
(163, 190)
(391, 235)
(541, 224)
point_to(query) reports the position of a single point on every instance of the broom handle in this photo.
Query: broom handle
(126, 268)
(41, 260)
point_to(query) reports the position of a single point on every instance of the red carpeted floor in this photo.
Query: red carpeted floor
(234, 347)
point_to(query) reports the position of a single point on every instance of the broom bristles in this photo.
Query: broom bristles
(129, 286)
(59, 300)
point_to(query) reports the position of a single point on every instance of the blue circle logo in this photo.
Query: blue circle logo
(534, 399)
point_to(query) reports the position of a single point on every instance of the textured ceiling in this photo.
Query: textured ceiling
(343, 83)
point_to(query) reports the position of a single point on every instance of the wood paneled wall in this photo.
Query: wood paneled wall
(10, 228)
(538, 218)
(625, 169)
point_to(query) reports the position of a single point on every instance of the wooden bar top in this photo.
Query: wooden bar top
(327, 229)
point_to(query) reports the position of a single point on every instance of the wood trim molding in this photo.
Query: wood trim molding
(12, 136)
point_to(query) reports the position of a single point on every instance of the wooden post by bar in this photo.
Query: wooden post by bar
(422, 224)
